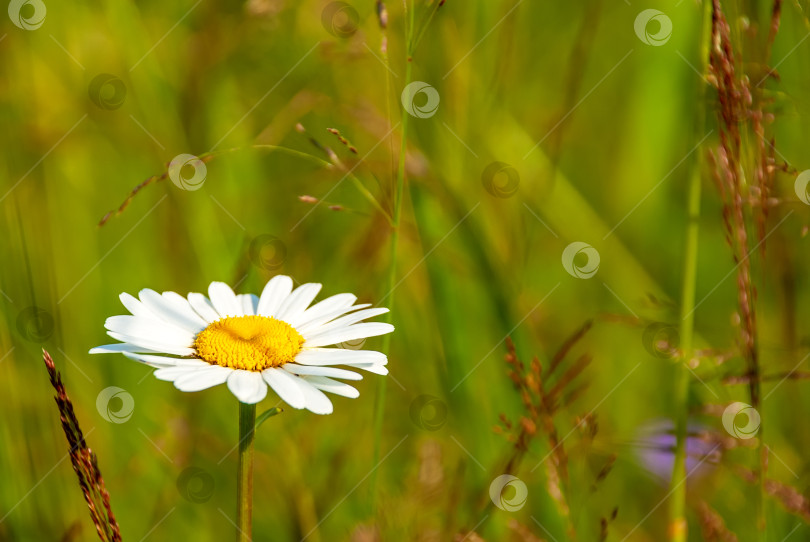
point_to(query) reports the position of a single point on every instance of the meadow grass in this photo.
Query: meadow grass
(502, 361)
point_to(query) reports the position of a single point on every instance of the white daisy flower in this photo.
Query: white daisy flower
(251, 342)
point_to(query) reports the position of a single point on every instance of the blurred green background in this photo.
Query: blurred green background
(600, 133)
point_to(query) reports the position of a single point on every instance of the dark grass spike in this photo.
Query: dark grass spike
(541, 405)
(603, 472)
(382, 14)
(131, 196)
(85, 462)
(312, 200)
(327, 152)
(522, 532)
(745, 379)
(578, 59)
(575, 393)
(742, 116)
(335, 132)
(567, 345)
(468, 536)
(713, 526)
(789, 497)
(776, 18)
(206, 158)
(335, 161)
(569, 376)
(604, 524)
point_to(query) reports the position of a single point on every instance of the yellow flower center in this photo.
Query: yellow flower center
(253, 343)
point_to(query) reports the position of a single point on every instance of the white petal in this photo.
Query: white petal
(353, 363)
(375, 368)
(338, 356)
(249, 303)
(182, 305)
(119, 348)
(321, 371)
(346, 321)
(333, 386)
(134, 306)
(274, 294)
(151, 329)
(202, 379)
(169, 310)
(311, 327)
(203, 307)
(298, 301)
(163, 361)
(142, 343)
(324, 308)
(286, 386)
(316, 400)
(224, 300)
(171, 374)
(349, 333)
(247, 386)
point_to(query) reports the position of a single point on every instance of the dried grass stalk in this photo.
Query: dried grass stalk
(85, 462)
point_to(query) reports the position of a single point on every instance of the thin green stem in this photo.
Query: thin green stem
(244, 476)
(208, 156)
(677, 503)
(358, 184)
(425, 26)
(365, 192)
(677, 527)
(379, 410)
(273, 148)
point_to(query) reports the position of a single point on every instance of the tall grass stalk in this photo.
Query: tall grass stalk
(677, 522)
(399, 187)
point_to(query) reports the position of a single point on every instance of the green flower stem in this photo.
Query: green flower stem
(677, 503)
(244, 481)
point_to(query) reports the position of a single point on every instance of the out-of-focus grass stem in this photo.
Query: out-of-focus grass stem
(379, 410)
(677, 522)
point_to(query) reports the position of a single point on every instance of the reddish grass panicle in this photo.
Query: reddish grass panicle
(85, 462)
